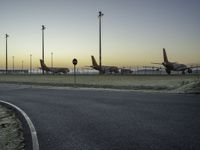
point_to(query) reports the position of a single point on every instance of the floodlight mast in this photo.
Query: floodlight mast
(6, 54)
(51, 59)
(43, 28)
(13, 58)
(30, 63)
(100, 63)
(22, 65)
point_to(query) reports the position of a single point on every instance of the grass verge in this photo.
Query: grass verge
(11, 135)
(174, 83)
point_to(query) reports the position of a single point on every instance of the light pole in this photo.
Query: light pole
(100, 15)
(30, 63)
(43, 28)
(6, 54)
(22, 65)
(51, 59)
(13, 58)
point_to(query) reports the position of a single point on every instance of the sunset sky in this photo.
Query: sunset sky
(133, 31)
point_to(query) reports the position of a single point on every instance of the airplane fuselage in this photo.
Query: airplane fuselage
(53, 69)
(174, 66)
(106, 69)
(103, 69)
(59, 70)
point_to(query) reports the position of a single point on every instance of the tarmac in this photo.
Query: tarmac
(85, 119)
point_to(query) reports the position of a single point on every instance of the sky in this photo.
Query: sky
(134, 32)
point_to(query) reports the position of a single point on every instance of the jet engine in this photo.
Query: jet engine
(168, 71)
(189, 70)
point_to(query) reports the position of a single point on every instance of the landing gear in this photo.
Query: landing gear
(168, 72)
(189, 70)
(183, 72)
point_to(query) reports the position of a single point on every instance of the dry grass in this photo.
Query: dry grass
(11, 136)
(134, 82)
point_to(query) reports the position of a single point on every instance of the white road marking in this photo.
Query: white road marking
(30, 124)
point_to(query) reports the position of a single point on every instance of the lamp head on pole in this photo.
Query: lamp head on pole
(100, 14)
(43, 27)
(7, 35)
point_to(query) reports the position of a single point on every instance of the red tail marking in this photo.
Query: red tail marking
(94, 63)
(165, 56)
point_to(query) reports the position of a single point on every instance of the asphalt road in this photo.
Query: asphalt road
(76, 119)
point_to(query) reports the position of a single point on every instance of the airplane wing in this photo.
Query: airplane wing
(153, 68)
(191, 67)
(88, 67)
(157, 63)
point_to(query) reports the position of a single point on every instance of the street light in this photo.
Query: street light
(13, 58)
(30, 63)
(100, 15)
(6, 54)
(43, 28)
(51, 59)
(22, 65)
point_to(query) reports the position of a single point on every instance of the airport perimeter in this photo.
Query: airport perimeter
(157, 83)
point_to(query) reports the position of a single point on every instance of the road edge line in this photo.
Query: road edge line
(35, 143)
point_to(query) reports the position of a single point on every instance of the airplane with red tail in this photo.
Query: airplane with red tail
(53, 69)
(174, 66)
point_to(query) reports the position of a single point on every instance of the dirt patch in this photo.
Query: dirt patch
(190, 88)
(11, 135)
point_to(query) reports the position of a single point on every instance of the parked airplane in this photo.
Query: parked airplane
(126, 71)
(104, 69)
(53, 69)
(174, 66)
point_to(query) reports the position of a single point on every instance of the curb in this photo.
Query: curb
(30, 136)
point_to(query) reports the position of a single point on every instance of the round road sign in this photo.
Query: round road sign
(75, 61)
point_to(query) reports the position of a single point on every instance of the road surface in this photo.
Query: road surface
(86, 119)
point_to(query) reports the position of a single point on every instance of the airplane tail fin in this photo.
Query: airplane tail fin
(94, 63)
(165, 56)
(43, 65)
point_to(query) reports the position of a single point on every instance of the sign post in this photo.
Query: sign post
(74, 61)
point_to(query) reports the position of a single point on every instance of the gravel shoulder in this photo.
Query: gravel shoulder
(11, 135)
